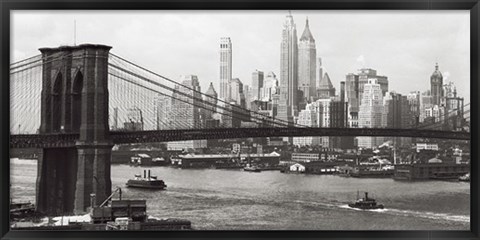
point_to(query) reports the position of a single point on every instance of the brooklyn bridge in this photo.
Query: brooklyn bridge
(71, 101)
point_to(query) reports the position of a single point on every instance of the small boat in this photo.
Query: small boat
(250, 168)
(146, 182)
(365, 203)
(464, 178)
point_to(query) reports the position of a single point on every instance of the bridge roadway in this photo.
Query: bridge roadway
(69, 139)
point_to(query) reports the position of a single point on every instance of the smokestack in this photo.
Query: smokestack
(366, 195)
(144, 173)
(92, 200)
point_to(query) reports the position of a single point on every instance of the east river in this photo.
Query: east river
(214, 199)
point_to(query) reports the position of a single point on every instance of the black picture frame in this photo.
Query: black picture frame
(472, 5)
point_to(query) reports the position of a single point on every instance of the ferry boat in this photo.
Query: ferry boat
(365, 203)
(149, 181)
(465, 178)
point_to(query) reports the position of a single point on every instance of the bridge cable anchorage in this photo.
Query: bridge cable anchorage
(186, 87)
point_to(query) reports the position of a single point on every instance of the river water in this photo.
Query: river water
(215, 199)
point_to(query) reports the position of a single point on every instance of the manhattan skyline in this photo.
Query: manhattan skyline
(401, 45)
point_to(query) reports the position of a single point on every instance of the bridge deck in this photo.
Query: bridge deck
(69, 139)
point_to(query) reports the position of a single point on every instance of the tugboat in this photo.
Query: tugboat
(464, 178)
(150, 182)
(251, 168)
(365, 203)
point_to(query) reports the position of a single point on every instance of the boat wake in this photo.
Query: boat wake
(411, 213)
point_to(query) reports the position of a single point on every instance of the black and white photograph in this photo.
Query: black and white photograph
(240, 120)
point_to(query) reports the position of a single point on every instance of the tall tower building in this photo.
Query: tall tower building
(212, 99)
(352, 96)
(367, 73)
(288, 102)
(163, 112)
(237, 95)
(426, 102)
(320, 73)
(326, 89)
(257, 85)
(225, 68)
(371, 112)
(186, 112)
(436, 82)
(270, 87)
(413, 99)
(308, 117)
(307, 54)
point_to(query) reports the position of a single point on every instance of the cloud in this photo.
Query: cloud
(361, 61)
(446, 75)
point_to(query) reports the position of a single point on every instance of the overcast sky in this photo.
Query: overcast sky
(403, 45)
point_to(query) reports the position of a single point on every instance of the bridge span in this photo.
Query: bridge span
(59, 140)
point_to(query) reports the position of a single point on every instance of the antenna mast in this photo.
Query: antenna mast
(74, 32)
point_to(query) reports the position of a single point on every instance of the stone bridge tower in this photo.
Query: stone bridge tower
(74, 99)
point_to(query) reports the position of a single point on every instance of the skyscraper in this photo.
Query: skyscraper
(163, 112)
(288, 103)
(270, 87)
(186, 112)
(308, 117)
(225, 68)
(237, 95)
(413, 99)
(426, 102)
(307, 54)
(257, 84)
(247, 93)
(397, 115)
(371, 112)
(352, 97)
(326, 89)
(454, 107)
(320, 73)
(212, 99)
(367, 73)
(436, 83)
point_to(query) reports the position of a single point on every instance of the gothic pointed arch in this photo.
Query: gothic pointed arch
(57, 102)
(77, 101)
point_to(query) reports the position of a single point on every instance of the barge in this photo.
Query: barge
(112, 214)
